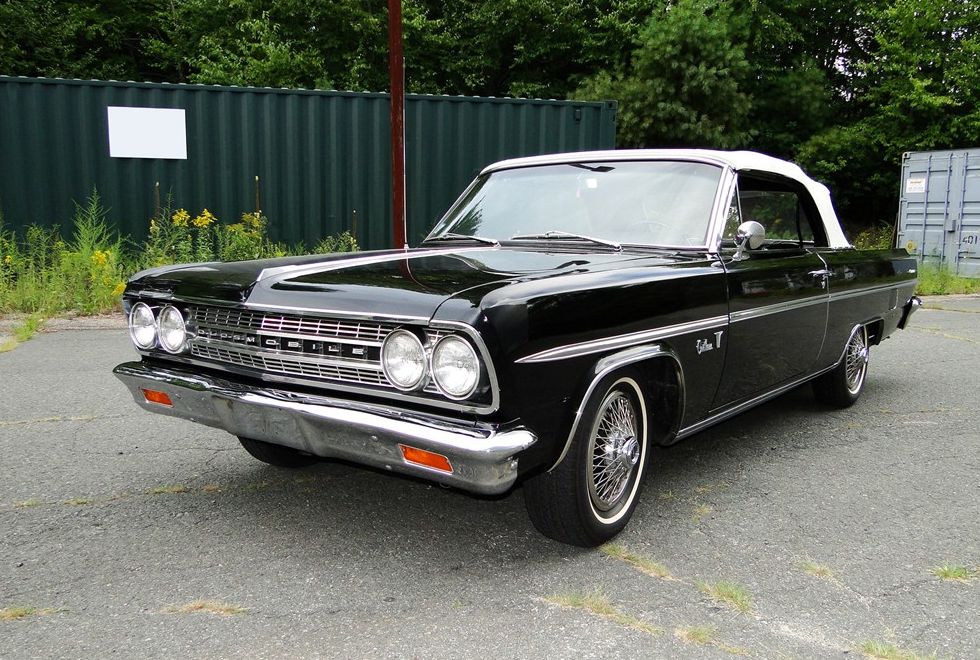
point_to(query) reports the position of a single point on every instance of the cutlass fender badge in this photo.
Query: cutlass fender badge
(705, 345)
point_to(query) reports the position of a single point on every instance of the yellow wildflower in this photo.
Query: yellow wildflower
(206, 218)
(252, 220)
(118, 291)
(100, 258)
(8, 260)
(180, 218)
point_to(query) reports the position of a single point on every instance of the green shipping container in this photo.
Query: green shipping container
(316, 162)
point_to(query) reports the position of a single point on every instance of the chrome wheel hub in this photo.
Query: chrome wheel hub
(856, 361)
(615, 451)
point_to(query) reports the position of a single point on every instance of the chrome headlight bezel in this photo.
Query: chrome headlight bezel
(170, 314)
(411, 341)
(145, 311)
(468, 353)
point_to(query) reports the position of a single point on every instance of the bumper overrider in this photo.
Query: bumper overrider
(482, 458)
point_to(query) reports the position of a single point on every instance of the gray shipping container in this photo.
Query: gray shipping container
(315, 162)
(939, 208)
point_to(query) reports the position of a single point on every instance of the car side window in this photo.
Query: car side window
(786, 213)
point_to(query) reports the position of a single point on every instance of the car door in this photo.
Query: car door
(777, 294)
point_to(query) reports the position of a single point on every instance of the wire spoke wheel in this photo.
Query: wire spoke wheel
(614, 449)
(856, 361)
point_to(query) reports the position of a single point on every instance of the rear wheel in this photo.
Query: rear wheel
(277, 455)
(842, 386)
(590, 496)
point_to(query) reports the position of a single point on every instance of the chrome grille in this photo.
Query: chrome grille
(233, 319)
(290, 367)
(303, 347)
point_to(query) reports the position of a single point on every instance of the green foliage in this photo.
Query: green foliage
(43, 274)
(842, 86)
(937, 280)
(343, 242)
(684, 86)
(880, 237)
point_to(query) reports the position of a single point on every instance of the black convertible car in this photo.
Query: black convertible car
(569, 312)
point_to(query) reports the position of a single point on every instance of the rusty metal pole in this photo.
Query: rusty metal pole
(396, 67)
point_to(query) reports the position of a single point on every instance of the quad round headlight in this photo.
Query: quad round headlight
(171, 329)
(403, 360)
(455, 367)
(142, 326)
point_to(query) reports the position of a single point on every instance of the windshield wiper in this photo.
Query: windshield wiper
(567, 235)
(450, 236)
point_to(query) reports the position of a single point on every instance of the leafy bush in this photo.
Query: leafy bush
(874, 238)
(936, 280)
(43, 274)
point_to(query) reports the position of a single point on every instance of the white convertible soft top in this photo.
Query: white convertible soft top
(737, 160)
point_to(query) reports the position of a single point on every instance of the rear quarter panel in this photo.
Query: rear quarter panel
(866, 287)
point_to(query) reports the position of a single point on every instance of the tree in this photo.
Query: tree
(919, 89)
(75, 38)
(685, 85)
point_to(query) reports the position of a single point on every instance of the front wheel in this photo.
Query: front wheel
(590, 496)
(842, 386)
(277, 455)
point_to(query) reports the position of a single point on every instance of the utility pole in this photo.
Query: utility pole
(396, 68)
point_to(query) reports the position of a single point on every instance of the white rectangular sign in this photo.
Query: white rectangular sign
(147, 133)
(915, 186)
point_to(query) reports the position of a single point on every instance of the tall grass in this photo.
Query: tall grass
(43, 274)
(936, 280)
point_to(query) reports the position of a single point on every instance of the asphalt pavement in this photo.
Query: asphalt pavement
(127, 534)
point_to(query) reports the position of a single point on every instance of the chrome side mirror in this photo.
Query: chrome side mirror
(749, 236)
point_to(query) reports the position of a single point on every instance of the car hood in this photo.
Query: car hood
(393, 283)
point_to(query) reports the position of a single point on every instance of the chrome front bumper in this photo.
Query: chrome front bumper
(482, 457)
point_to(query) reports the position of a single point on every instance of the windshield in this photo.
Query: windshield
(663, 203)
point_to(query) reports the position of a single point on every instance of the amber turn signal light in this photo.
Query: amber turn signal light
(153, 396)
(426, 458)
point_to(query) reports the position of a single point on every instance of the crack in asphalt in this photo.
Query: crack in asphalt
(937, 332)
(58, 419)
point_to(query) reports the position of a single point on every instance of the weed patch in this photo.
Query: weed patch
(884, 651)
(700, 512)
(26, 504)
(953, 573)
(19, 613)
(728, 593)
(816, 570)
(169, 490)
(208, 607)
(639, 562)
(42, 273)
(695, 634)
(940, 281)
(597, 604)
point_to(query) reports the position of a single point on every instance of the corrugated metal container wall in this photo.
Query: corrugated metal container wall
(939, 208)
(322, 158)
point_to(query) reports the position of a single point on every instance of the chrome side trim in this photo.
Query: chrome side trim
(742, 407)
(854, 293)
(790, 305)
(622, 341)
(483, 457)
(765, 396)
(611, 363)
